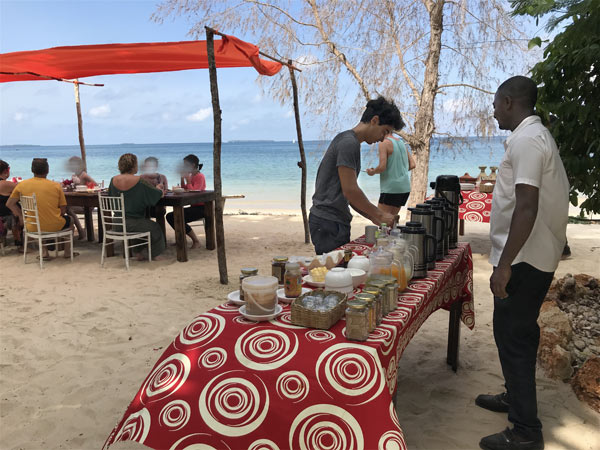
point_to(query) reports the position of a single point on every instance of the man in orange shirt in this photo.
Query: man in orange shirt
(50, 198)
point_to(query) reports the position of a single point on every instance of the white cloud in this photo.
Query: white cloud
(289, 114)
(244, 121)
(199, 116)
(100, 111)
(454, 104)
(167, 116)
(257, 98)
(19, 116)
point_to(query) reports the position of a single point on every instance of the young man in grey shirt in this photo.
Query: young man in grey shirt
(336, 187)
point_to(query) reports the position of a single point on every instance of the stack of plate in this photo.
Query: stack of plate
(467, 187)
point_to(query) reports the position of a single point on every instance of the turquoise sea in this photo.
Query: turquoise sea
(266, 172)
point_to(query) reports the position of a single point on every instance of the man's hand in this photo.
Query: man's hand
(499, 280)
(386, 218)
(371, 171)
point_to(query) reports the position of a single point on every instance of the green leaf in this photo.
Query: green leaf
(535, 42)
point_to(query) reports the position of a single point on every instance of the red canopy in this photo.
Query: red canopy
(89, 60)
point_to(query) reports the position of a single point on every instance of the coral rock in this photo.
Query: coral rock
(586, 383)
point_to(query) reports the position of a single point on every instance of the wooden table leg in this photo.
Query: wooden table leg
(461, 227)
(89, 223)
(454, 335)
(180, 233)
(209, 225)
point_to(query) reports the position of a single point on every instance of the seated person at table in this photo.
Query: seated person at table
(158, 180)
(50, 199)
(79, 177)
(10, 221)
(192, 180)
(336, 186)
(138, 195)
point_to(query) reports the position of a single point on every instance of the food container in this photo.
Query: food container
(278, 268)
(260, 294)
(359, 262)
(357, 322)
(292, 283)
(378, 297)
(369, 299)
(340, 280)
(311, 318)
(245, 273)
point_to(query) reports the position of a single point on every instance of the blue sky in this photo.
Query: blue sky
(141, 108)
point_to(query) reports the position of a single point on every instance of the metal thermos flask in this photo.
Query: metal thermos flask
(443, 228)
(414, 234)
(424, 214)
(448, 187)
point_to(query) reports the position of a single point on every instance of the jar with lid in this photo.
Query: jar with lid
(369, 299)
(278, 268)
(292, 285)
(378, 297)
(390, 293)
(246, 272)
(357, 323)
(380, 263)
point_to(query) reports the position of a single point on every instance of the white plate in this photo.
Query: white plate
(308, 279)
(278, 309)
(281, 295)
(234, 297)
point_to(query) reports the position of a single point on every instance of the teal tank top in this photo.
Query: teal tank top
(395, 179)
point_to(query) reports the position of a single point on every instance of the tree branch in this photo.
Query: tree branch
(442, 86)
(336, 52)
(282, 11)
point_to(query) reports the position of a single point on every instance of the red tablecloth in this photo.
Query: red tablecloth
(228, 383)
(477, 207)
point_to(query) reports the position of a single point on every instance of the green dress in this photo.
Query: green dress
(137, 199)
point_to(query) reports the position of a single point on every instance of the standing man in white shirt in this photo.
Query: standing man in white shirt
(528, 233)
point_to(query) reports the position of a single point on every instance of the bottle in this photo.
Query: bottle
(246, 272)
(292, 283)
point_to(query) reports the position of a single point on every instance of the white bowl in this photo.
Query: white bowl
(359, 262)
(340, 280)
(359, 276)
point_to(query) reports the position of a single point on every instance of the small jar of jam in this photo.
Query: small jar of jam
(246, 272)
(278, 268)
(292, 285)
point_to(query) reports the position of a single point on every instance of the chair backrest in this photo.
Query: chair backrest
(30, 212)
(112, 212)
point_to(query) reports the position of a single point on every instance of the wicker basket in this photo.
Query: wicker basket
(322, 320)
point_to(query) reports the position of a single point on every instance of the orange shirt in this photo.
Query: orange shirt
(49, 196)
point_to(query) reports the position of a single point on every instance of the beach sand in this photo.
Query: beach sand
(77, 341)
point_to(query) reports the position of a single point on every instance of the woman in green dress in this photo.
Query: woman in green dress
(138, 195)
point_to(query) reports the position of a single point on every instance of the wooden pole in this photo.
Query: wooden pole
(214, 93)
(80, 124)
(302, 162)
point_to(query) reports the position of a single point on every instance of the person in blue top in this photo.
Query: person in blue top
(395, 162)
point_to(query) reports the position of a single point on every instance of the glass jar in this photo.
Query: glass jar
(380, 262)
(278, 268)
(369, 299)
(357, 324)
(378, 297)
(246, 272)
(292, 285)
(390, 293)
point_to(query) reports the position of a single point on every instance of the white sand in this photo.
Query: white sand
(77, 341)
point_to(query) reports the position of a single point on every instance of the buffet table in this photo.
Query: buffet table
(476, 207)
(228, 383)
(89, 201)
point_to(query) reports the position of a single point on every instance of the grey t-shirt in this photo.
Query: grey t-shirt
(328, 200)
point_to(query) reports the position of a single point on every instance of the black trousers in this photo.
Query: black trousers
(190, 214)
(517, 337)
(327, 235)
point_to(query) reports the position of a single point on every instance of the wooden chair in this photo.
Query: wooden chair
(31, 217)
(112, 212)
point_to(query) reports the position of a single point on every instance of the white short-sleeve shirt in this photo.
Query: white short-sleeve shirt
(532, 158)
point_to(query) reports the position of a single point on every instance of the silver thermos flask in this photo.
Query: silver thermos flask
(414, 234)
(448, 187)
(424, 214)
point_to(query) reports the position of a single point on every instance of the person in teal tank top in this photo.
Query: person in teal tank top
(395, 163)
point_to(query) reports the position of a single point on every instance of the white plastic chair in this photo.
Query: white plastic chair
(31, 217)
(112, 212)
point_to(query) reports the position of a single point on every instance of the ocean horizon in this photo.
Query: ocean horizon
(265, 171)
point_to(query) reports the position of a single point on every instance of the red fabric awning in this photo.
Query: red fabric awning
(89, 60)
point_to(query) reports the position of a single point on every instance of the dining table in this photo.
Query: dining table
(476, 207)
(177, 200)
(226, 382)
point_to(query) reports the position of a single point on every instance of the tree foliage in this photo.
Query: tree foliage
(569, 96)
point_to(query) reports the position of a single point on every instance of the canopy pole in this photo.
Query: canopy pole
(80, 124)
(302, 162)
(214, 93)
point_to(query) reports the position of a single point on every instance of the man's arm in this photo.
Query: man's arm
(358, 200)
(11, 204)
(385, 148)
(521, 224)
